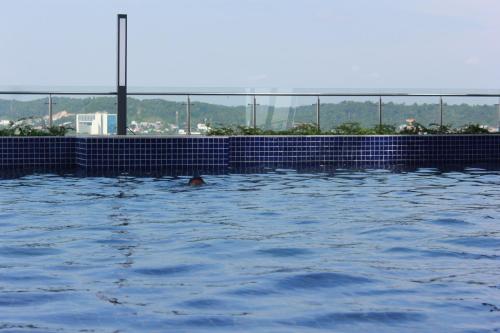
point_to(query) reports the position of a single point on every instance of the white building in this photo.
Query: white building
(202, 128)
(99, 123)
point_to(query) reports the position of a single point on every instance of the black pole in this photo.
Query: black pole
(121, 82)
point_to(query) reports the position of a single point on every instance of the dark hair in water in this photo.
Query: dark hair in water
(196, 181)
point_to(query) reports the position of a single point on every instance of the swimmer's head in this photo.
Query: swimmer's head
(196, 181)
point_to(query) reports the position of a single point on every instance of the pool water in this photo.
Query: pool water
(344, 251)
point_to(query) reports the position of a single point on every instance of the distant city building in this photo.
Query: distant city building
(99, 123)
(202, 128)
(145, 127)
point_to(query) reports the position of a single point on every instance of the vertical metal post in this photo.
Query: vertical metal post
(318, 113)
(50, 110)
(121, 90)
(254, 112)
(441, 111)
(380, 111)
(188, 116)
(177, 119)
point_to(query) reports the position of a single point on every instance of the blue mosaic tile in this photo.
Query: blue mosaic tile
(35, 152)
(362, 150)
(151, 153)
(217, 153)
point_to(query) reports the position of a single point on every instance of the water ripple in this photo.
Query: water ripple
(8, 251)
(320, 280)
(332, 320)
(169, 270)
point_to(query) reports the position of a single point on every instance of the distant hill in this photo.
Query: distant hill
(151, 110)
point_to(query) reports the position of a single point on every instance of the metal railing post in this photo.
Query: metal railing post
(318, 113)
(50, 110)
(380, 111)
(188, 116)
(254, 112)
(441, 111)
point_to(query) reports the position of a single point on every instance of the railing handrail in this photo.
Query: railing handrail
(56, 93)
(284, 94)
(312, 94)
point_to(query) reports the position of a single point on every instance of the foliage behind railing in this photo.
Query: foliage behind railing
(21, 128)
(353, 129)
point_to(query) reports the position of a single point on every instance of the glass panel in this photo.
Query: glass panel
(284, 112)
(156, 115)
(336, 111)
(219, 112)
(274, 113)
(401, 112)
(23, 109)
(86, 115)
(461, 111)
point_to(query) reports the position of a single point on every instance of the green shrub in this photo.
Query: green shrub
(58, 130)
(356, 129)
(224, 131)
(352, 128)
(417, 128)
(245, 130)
(302, 129)
(472, 129)
(384, 129)
(413, 129)
(438, 129)
(21, 128)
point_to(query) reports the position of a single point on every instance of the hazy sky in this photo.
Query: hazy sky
(449, 44)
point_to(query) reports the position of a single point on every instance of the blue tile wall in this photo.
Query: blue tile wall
(148, 154)
(359, 151)
(36, 152)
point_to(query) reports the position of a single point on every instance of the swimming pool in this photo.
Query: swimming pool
(282, 251)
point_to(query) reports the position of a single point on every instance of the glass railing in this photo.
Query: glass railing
(78, 112)
(182, 112)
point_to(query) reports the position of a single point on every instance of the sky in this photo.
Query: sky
(354, 44)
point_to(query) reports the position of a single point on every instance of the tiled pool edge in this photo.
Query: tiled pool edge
(148, 154)
(151, 154)
(361, 151)
(37, 152)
